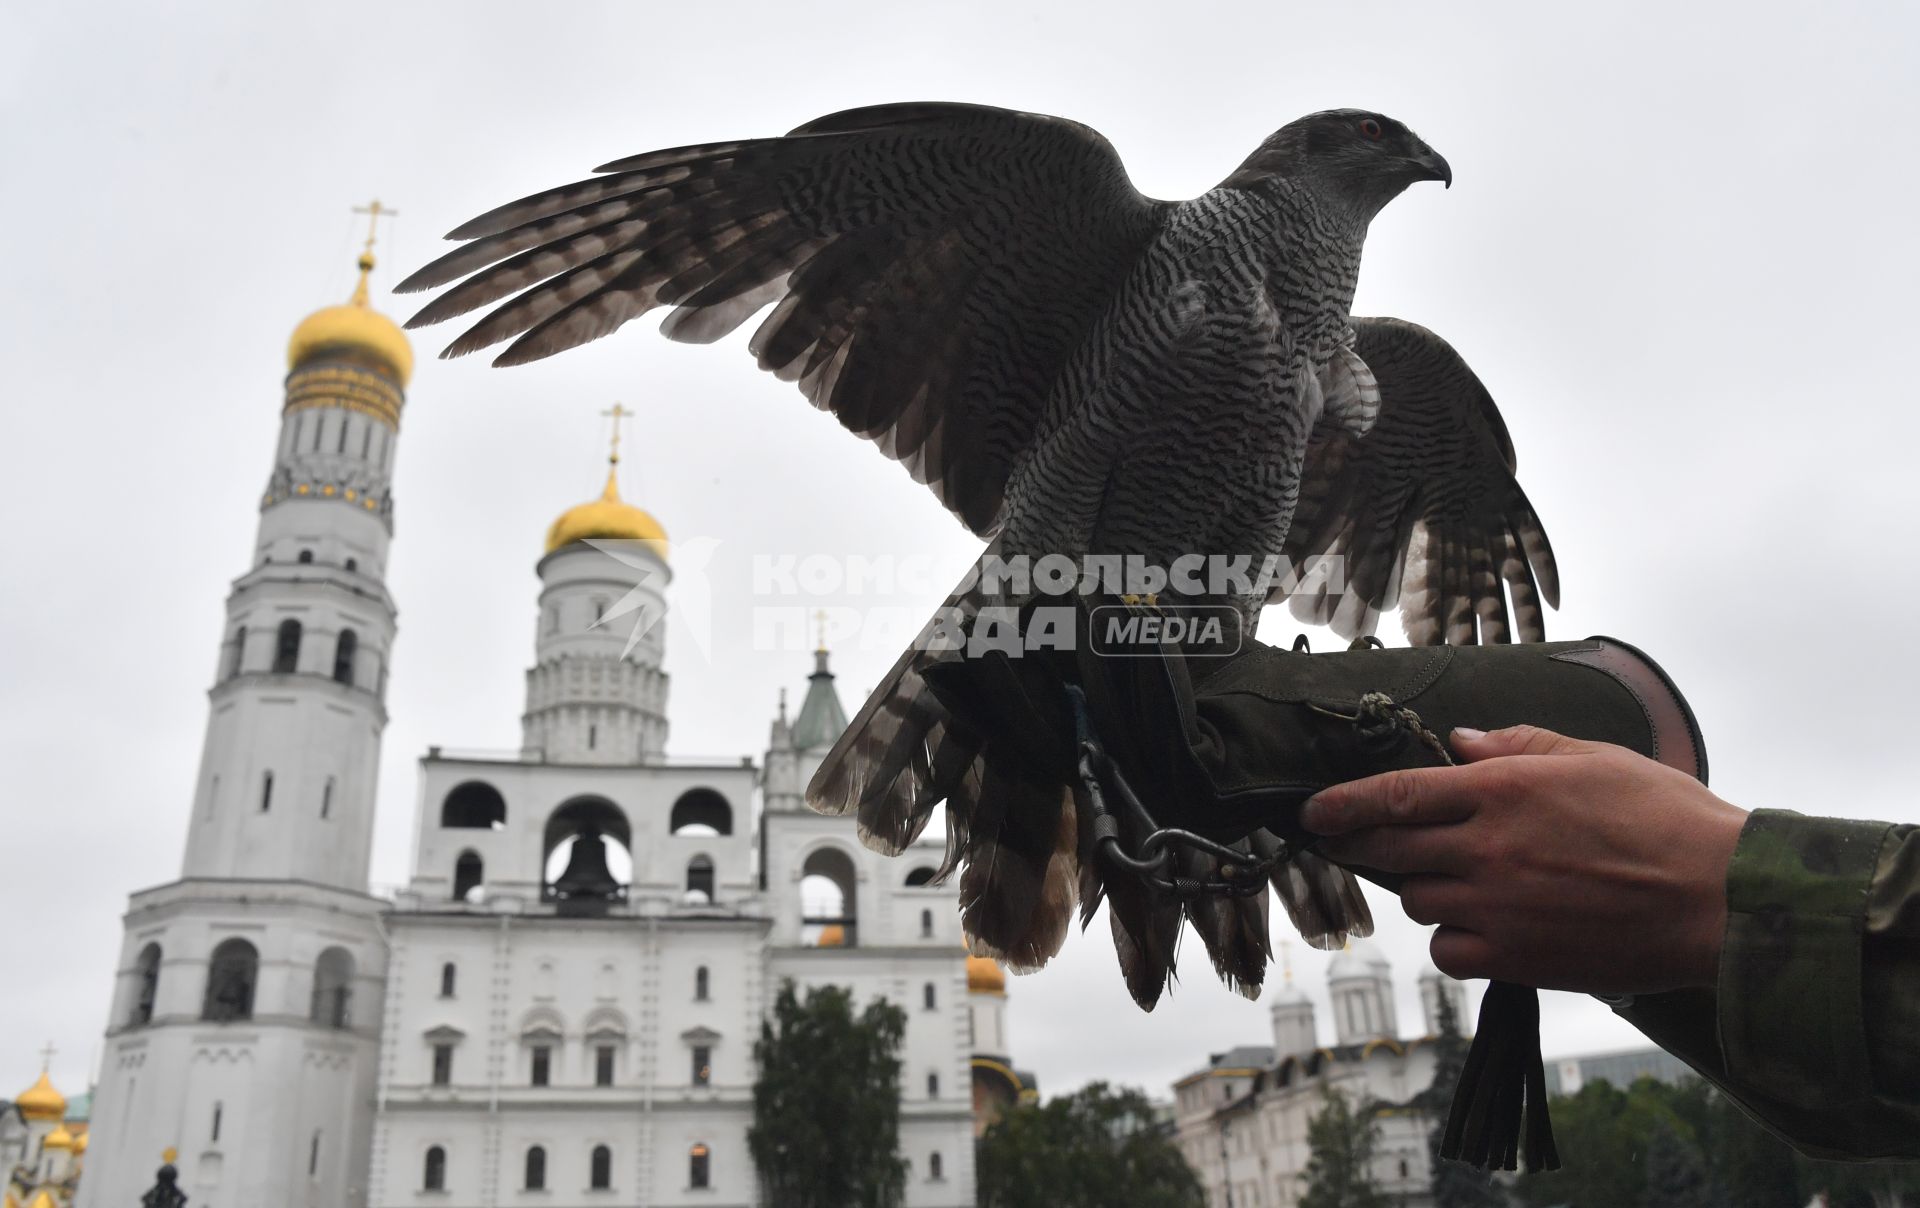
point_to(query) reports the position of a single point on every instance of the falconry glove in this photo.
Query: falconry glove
(1180, 754)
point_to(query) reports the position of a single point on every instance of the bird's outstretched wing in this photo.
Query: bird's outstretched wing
(1423, 511)
(930, 267)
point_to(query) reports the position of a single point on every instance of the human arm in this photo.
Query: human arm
(1778, 955)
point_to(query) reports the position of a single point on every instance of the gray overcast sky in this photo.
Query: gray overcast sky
(1679, 250)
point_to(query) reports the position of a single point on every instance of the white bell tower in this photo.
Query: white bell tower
(596, 693)
(245, 1022)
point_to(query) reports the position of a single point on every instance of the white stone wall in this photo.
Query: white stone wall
(278, 1079)
(523, 975)
(591, 699)
(1262, 1151)
(513, 854)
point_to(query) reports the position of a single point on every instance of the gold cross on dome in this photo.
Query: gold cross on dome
(616, 413)
(373, 210)
(820, 619)
(46, 1055)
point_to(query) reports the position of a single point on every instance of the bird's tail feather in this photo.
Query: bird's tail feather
(1012, 831)
(1020, 834)
(1232, 926)
(1322, 899)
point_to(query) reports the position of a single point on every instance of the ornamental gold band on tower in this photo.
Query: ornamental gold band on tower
(347, 373)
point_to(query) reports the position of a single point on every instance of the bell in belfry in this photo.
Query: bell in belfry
(588, 884)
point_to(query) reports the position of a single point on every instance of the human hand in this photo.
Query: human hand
(1548, 861)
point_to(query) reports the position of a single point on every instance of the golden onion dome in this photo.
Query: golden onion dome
(985, 976)
(355, 327)
(80, 1144)
(40, 1102)
(608, 518)
(59, 1138)
(43, 1200)
(833, 935)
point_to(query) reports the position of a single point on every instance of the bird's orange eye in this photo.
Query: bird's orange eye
(1370, 128)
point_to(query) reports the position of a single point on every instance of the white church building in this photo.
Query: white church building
(560, 1006)
(1241, 1120)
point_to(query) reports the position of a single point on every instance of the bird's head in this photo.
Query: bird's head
(1360, 157)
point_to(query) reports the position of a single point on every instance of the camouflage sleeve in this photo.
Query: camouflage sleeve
(1814, 1026)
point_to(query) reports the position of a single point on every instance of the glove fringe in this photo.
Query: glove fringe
(1499, 1115)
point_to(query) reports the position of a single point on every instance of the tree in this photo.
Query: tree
(826, 1106)
(1094, 1148)
(1455, 1184)
(1755, 1168)
(1676, 1175)
(1656, 1144)
(1339, 1174)
(1863, 1185)
(1602, 1134)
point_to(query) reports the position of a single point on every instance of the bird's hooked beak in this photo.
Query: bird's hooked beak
(1431, 165)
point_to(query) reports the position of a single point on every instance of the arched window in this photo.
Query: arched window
(933, 1166)
(147, 985)
(600, 1177)
(475, 805)
(326, 799)
(698, 1172)
(700, 812)
(933, 1086)
(343, 648)
(231, 975)
(266, 791)
(827, 908)
(332, 1005)
(928, 997)
(469, 873)
(353, 564)
(434, 1177)
(922, 875)
(926, 924)
(306, 556)
(700, 984)
(313, 1155)
(236, 654)
(213, 1126)
(448, 976)
(536, 1168)
(286, 646)
(700, 878)
(1403, 1168)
